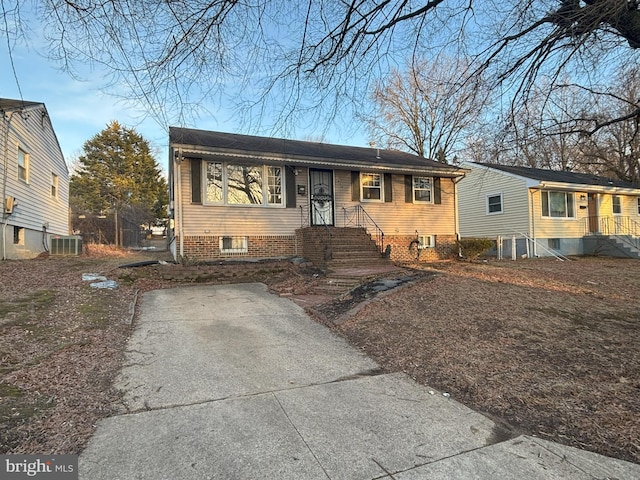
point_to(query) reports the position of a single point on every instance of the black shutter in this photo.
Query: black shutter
(290, 186)
(408, 189)
(355, 186)
(196, 180)
(437, 195)
(388, 188)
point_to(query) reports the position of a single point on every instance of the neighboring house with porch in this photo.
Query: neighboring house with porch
(256, 197)
(549, 212)
(34, 181)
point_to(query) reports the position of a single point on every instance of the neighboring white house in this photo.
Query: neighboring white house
(550, 212)
(34, 181)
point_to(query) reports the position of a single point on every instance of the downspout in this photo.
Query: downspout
(456, 219)
(177, 160)
(533, 225)
(5, 155)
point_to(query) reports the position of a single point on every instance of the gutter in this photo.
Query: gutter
(448, 172)
(586, 188)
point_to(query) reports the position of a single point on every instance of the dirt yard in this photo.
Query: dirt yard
(545, 347)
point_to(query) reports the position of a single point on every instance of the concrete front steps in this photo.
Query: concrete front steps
(611, 246)
(349, 256)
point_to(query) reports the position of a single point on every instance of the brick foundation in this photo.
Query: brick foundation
(445, 249)
(207, 247)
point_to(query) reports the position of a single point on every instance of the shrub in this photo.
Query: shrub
(471, 248)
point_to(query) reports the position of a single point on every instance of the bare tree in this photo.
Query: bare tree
(614, 151)
(427, 108)
(294, 56)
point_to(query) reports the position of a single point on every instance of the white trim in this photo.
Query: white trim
(334, 164)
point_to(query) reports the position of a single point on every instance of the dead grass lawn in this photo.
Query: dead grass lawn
(551, 348)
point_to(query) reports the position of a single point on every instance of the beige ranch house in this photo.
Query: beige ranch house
(549, 213)
(239, 196)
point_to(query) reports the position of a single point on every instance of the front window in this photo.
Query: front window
(274, 184)
(244, 185)
(371, 186)
(494, 203)
(638, 200)
(233, 184)
(23, 165)
(616, 204)
(213, 187)
(422, 189)
(558, 205)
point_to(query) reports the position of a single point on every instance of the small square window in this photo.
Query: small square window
(233, 245)
(494, 203)
(553, 243)
(23, 165)
(638, 200)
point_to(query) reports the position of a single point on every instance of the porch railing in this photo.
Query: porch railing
(358, 217)
(626, 228)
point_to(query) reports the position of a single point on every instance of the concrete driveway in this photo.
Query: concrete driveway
(232, 382)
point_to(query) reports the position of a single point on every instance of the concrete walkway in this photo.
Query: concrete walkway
(231, 382)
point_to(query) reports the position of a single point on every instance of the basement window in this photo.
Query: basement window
(18, 235)
(426, 241)
(234, 245)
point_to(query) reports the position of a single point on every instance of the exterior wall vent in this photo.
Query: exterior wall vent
(71, 245)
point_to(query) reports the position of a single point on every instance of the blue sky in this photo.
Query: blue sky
(79, 109)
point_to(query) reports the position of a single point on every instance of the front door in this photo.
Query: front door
(592, 206)
(321, 183)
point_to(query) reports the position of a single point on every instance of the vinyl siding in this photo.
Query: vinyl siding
(546, 227)
(473, 191)
(394, 218)
(238, 219)
(35, 205)
(398, 217)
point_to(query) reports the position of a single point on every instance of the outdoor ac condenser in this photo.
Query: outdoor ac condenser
(70, 245)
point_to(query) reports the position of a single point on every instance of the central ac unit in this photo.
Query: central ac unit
(70, 245)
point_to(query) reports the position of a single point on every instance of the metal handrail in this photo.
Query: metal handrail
(358, 217)
(625, 228)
